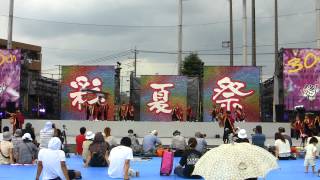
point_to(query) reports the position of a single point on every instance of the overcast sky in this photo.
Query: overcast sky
(206, 26)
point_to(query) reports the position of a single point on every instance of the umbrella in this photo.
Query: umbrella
(236, 161)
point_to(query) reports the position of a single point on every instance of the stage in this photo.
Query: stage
(165, 129)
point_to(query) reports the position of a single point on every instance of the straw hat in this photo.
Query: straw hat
(242, 134)
(89, 135)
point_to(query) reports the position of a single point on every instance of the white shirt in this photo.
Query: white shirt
(45, 137)
(51, 161)
(284, 148)
(117, 158)
(111, 140)
(310, 149)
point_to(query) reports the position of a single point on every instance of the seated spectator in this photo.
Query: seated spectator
(135, 145)
(282, 130)
(29, 129)
(6, 149)
(201, 143)
(86, 145)
(119, 160)
(108, 138)
(52, 163)
(258, 138)
(4, 129)
(26, 151)
(79, 140)
(282, 147)
(16, 139)
(188, 161)
(178, 143)
(98, 152)
(242, 136)
(46, 134)
(150, 142)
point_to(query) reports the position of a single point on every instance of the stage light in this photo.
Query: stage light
(42, 110)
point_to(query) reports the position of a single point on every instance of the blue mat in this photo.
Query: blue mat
(149, 170)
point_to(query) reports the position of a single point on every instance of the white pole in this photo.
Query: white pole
(318, 22)
(180, 37)
(245, 33)
(10, 22)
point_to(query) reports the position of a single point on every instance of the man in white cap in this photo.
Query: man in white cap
(26, 151)
(85, 146)
(150, 142)
(46, 134)
(242, 136)
(52, 163)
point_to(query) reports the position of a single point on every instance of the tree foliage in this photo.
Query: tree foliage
(192, 65)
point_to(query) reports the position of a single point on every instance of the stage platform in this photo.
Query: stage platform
(119, 128)
(292, 169)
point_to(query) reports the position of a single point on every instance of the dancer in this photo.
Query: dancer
(228, 127)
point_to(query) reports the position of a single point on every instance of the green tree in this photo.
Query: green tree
(192, 65)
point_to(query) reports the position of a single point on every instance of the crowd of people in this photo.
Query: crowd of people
(101, 149)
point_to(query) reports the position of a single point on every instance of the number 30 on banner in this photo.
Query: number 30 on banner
(297, 64)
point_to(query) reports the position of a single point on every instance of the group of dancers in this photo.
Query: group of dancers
(96, 111)
(126, 112)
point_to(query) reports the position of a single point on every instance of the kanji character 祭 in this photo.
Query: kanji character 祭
(228, 93)
(160, 98)
(80, 95)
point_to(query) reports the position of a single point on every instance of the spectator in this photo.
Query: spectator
(178, 143)
(52, 163)
(16, 139)
(201, 143)
(98, 152)
(282, 130)
(6, 149)
(108, 138)
(242, 136)
(188, 161)
(79, 140)
(26, 151)
(150, 142)
(86, 144)
(314, 134)
(4, 129)
(46, 134)
(282, 147)
(119, 159)
(29, 129)
(310, 156)
(258, 138)
(135, 145)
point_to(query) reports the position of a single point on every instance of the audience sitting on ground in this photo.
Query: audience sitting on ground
(16, 139)
(310, 157)
(52, 163)
(282, 147)
(149, 143)
(201, 142)
(108, 138)
(26, 150)
(178, 143)
(86, 144)
(282, 130)
(242, 136)
(188, 161)
(29, 129)
(79, 140)
(258, 138)
(98, 152)
(6, 149)
(119, 160)
(4, 129)
(135, 145)
(46, 134)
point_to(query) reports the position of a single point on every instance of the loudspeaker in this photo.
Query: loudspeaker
(280, 113)
(11, 107)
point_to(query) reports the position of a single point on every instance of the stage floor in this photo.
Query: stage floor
(292, 169)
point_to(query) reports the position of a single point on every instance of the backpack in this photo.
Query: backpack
(166, 163)
(98, 160)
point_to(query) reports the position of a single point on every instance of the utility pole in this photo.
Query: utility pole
(318, 22)
(10, 23)
(276, 63)
(253, 12)
(276, 30)
(244, 33)
(180, 37)
(231, 33)
(135, 62)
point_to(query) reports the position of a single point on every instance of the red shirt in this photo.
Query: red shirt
(79, 141)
